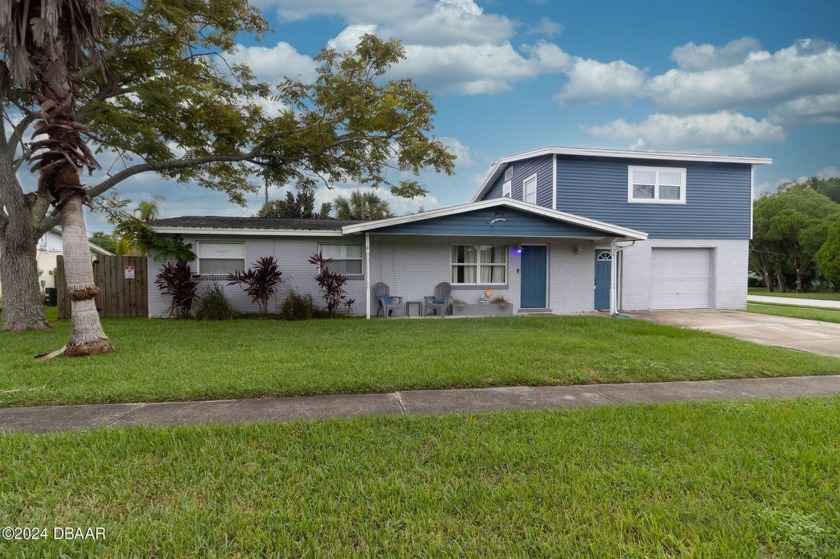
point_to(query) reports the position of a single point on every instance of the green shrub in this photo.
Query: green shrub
(213, 305)
(297, 307)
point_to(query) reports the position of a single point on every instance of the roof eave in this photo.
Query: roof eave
(244, 232)
(616, 154)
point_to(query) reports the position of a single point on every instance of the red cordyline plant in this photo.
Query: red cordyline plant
(331, 283)
(177, 281)
(259, 282)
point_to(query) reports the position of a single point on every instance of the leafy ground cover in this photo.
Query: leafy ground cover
(826, 296)
(160, 360)
(795, 311)
(747, 479)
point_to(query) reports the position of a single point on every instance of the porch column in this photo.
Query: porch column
(367, 275)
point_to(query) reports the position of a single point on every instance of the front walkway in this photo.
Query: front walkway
(797, 301)
(415, 402)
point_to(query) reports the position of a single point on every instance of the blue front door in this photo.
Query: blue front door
(603, 271)
(533, 277)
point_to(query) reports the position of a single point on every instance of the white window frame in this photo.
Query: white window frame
(478, 264)
(507, 188)
(199, 245)
(525, 190)
(656, 171)
(361, 273)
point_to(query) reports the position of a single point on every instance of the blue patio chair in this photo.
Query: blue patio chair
(386, 301)
(440, 301)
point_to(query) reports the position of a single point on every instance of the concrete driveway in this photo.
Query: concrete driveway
(794, 333)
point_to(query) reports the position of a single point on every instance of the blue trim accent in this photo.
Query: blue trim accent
(515, 223)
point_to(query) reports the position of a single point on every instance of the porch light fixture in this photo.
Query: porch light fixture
(499, 217)
(517, 250)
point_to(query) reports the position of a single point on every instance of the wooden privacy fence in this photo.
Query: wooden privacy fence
(123, 283)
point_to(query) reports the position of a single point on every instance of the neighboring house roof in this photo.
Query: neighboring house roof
(607, 229)
(500, 164)
(264, 226)
(94, 248)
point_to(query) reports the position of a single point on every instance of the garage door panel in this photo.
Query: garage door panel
(680, 278)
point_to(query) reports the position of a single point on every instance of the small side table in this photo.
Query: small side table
(419, 307)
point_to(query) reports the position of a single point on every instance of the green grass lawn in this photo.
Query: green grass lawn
(748, 479)
(794, 311)
(827, 296)
(158, 360)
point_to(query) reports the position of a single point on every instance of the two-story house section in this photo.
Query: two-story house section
(695, 208)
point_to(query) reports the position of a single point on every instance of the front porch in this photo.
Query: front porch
(500, 257)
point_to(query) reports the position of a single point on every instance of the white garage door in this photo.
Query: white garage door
(680, 278)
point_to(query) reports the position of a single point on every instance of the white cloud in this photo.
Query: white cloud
(693, 58)
(275, 63)
(762, 81)
(828, 173)
(462, 153)
(397, 204)
(349, 37)
(412, 21)
(546, 27)
(478, 69)
(591, 81)
(812, 109)
(701, 131)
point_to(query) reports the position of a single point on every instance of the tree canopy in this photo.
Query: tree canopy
(791, 227)
(361, 205)
(296, 206)
(156, 90)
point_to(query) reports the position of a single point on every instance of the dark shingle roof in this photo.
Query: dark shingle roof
(272, 223)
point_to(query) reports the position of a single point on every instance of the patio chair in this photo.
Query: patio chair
(441, 300)
(386, 301)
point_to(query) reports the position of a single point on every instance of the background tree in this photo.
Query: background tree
(104, 240)
(828, 257)
(790, 227)
(128, 230)
(156, 92)
(361, 205)
(296, 206)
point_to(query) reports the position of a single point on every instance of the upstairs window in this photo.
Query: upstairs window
(656, 185)
(529, 189)
(220, 258)
(346, 258)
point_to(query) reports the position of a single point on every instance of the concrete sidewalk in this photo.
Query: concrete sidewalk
(415, 402)
(794, 301)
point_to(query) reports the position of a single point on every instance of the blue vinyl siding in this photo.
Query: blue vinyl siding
(718, 198)
(521, 171)
(477, 223)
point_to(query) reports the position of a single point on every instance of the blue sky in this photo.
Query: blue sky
(741, 78)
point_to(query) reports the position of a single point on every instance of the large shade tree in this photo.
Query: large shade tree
(154, 88)
(790, 227)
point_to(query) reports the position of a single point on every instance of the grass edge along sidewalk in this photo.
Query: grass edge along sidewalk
(725, 479)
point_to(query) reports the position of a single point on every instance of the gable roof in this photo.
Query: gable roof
(608, 229)
(265, 226)
(499, 165)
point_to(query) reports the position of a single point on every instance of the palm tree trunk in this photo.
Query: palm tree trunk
(86, 334)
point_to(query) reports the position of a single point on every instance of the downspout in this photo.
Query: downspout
(615, 248)
(367, 275)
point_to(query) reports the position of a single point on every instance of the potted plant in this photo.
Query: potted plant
(501, 302)
(459, 304)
